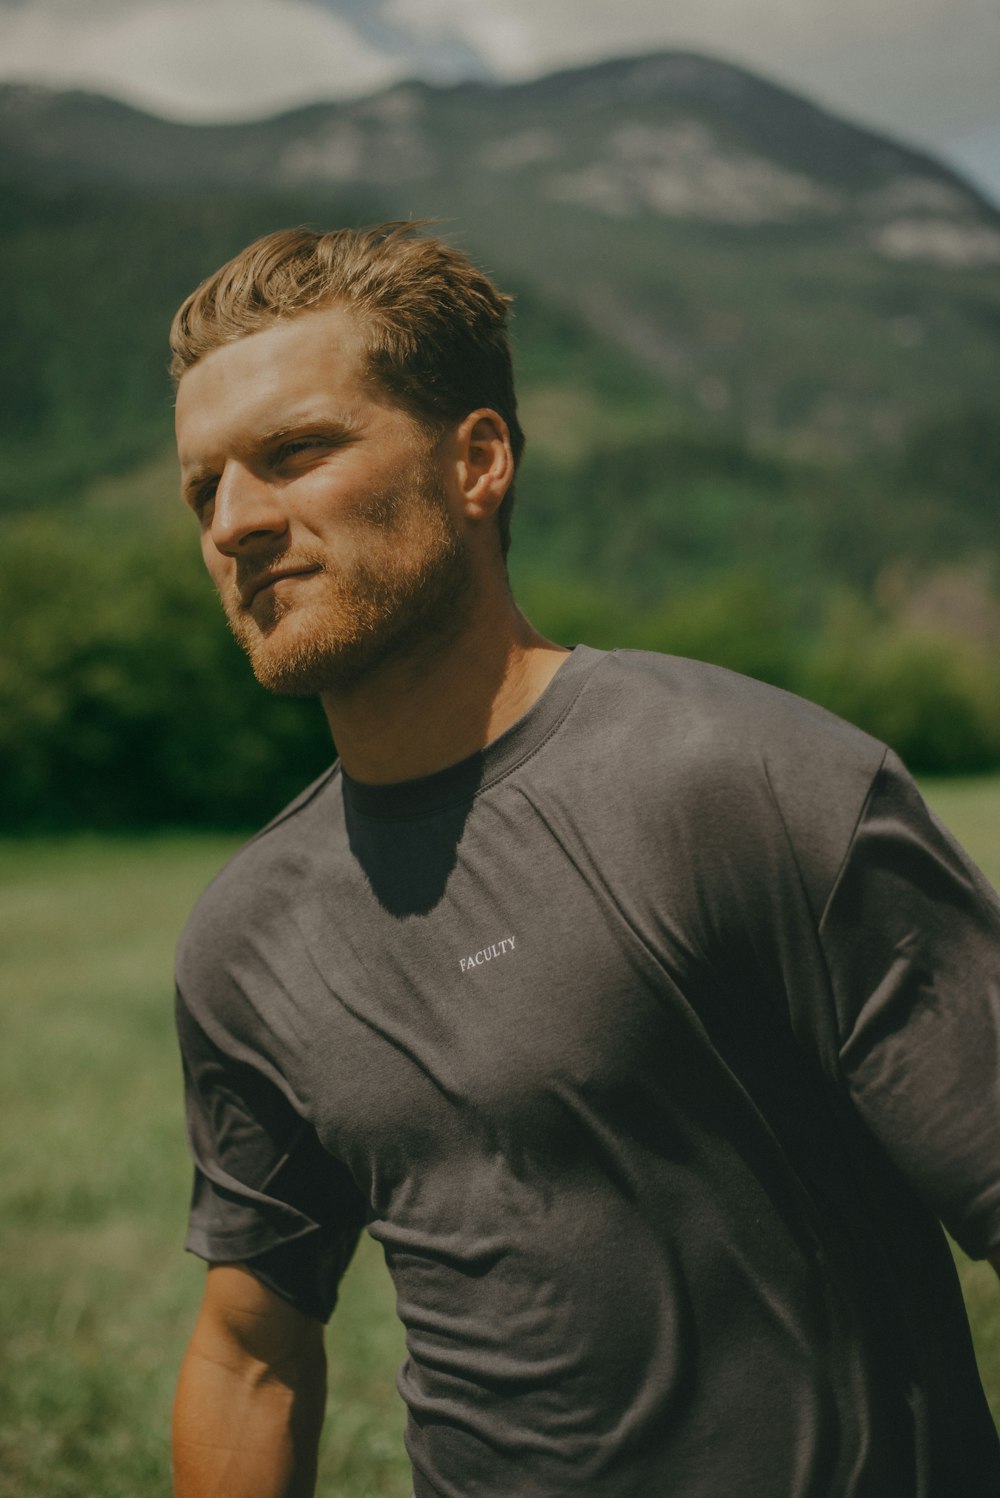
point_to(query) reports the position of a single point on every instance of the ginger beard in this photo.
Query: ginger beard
(402, 589)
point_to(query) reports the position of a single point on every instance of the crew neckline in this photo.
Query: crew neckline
(460, 782)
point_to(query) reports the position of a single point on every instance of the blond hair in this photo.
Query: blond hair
(434, 324)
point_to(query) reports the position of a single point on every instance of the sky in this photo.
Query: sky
(925, 71)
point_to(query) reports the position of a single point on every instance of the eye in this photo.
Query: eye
(301, 445)
(199, 496)
(203, 496)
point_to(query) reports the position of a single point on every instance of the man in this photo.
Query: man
(641, 1012)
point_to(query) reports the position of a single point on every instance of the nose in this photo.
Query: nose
(246, 509)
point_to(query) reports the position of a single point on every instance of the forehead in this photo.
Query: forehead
(297, 369)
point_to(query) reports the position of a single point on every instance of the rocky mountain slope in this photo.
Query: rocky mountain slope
(668, 137)
(758, 356)
(688, 243)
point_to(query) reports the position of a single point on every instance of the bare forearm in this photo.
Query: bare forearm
(240, 1431)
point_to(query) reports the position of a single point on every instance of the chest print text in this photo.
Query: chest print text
(487, 954)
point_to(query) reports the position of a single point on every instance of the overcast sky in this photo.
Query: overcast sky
(925, 70)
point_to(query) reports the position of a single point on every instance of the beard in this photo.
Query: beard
(405, 594)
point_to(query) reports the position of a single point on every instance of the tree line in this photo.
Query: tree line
(125, 703)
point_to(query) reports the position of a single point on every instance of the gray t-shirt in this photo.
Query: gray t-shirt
(650, 1042)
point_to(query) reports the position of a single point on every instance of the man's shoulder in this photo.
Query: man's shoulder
(724, 764)
(253, 891)
(709, 712)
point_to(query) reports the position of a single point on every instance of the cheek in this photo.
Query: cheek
(220, 568)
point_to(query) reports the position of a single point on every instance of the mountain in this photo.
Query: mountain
(688, 243)
(674, 136)
(758, 354)
(750, 256)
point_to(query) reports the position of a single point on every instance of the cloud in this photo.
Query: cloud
(932, 74)
(193, 58)
(440, 52)
(925, 69)
(497, 32)
(899, 63)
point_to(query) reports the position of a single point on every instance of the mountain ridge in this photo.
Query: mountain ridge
(757, 354)
(85, 129)
(687, 242)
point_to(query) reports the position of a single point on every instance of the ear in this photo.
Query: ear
(484, 466)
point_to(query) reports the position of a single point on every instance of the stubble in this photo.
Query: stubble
(404, 594)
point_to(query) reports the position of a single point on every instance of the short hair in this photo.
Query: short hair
(435, 325)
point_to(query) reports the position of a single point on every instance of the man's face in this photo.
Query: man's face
(324, 512)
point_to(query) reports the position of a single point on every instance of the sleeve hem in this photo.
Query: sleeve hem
(221, 1247)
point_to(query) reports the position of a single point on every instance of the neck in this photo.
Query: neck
(421, 713)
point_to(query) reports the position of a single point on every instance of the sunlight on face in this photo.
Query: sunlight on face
(324, 508)
(405, 591)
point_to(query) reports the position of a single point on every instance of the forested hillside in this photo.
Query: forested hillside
(758, 350)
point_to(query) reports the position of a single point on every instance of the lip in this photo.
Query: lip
(249, 590)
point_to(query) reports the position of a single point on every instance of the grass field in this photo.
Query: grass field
(96, 1297)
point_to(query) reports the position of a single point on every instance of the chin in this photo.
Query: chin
(374, 617)
(336, 660)
(307, 667)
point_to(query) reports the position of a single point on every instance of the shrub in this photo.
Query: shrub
(934, 699)
(125, 702)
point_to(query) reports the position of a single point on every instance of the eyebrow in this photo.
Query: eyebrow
(327, 426)
(343, 423)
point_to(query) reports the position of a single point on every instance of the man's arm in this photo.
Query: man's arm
(251, 1395)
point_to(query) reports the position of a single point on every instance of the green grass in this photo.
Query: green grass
(96, 1296)
(971, 809)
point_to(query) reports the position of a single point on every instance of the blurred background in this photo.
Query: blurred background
(755, 255)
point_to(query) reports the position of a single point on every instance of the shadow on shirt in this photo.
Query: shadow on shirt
(407, 863)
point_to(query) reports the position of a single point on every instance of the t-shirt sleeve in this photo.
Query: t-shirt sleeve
(266, 1194)
(911, 935)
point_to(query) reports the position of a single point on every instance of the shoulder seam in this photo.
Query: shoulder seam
(301, 801)
(835, 883)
